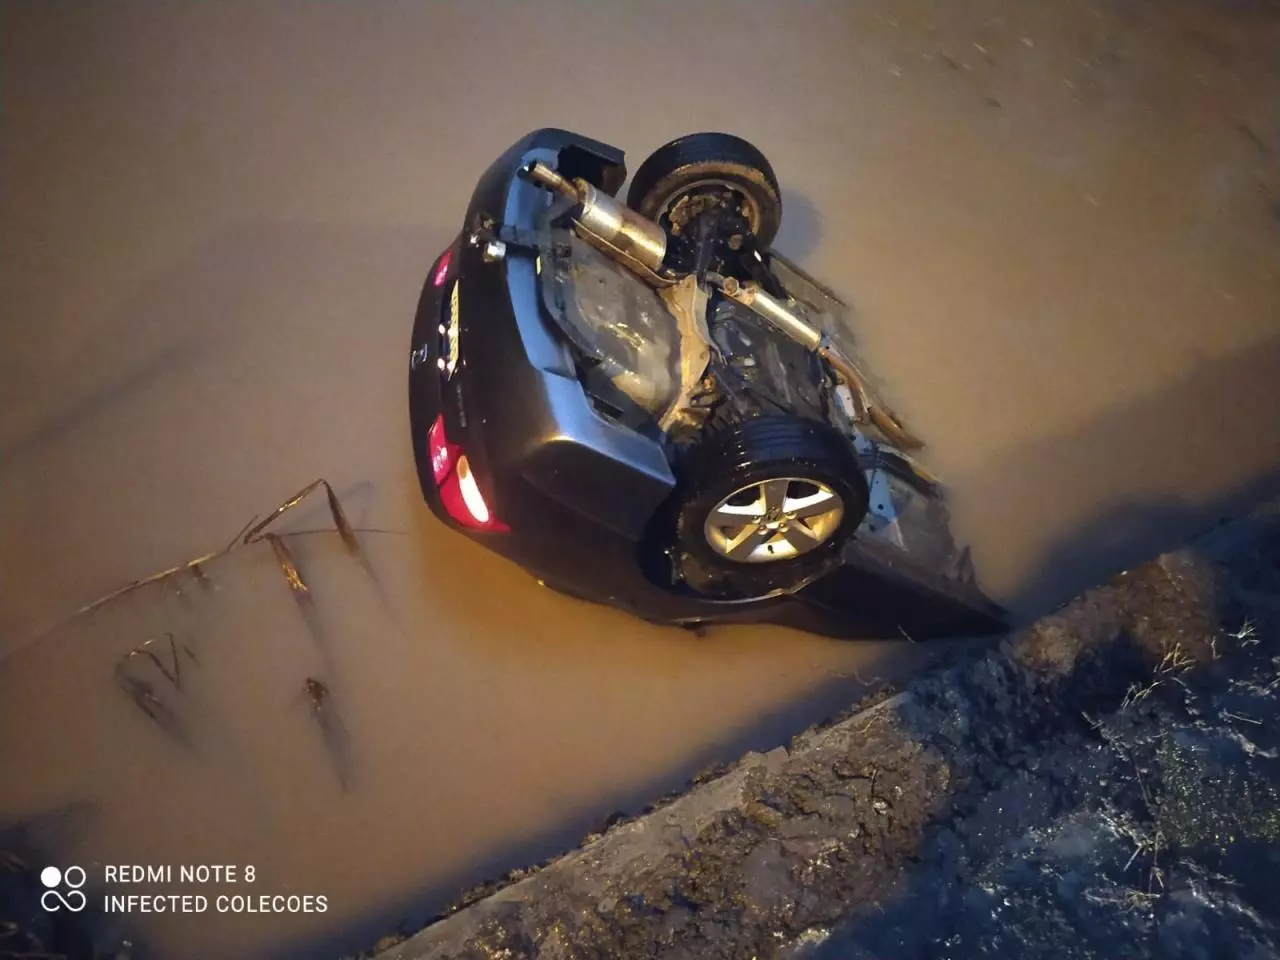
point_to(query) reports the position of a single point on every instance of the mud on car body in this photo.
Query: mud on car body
(644, 405)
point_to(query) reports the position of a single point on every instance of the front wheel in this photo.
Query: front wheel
(766, 506)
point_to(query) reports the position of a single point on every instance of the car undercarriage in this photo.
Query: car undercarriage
(769, 460)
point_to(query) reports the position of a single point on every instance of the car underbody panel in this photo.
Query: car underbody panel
(577, 385)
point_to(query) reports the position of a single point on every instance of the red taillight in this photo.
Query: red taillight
(442, 269)
(442, 453)
(459, 491)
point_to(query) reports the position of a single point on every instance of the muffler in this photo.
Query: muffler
(641, 245)
(615, 229)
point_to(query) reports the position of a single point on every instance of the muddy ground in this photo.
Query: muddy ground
(1103, 784)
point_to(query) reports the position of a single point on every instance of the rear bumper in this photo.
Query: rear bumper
(531, 439)
(426, 386)
(576, 490)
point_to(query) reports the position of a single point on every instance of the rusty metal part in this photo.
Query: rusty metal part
(621, 256)
(640, 245)
(693, 177)
(785, 316)
(542, 174)
(882, 418)
(894, 430)
(610, 220)
(692, 205)
(904, 462)
(687, 301)
(636, 242)
(789, 319)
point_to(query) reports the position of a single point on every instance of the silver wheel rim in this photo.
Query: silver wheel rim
(772, 520)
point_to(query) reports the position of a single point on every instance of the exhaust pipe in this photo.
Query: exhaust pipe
(780, 314)
(637, 242)
(641, 245)
(790, 321)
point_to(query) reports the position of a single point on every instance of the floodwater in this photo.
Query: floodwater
(1060, 225)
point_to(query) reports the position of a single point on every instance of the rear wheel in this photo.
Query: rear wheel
(707, 186)
(766, 506)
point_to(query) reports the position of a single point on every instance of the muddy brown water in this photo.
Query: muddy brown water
(1059, 226)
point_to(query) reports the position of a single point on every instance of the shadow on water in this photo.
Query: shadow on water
(1221, 413)
(143, 375)
(801, 226)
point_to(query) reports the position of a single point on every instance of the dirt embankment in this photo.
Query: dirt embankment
(1102, 784)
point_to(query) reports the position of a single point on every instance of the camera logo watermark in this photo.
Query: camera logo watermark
(73, 900)
(63, 890)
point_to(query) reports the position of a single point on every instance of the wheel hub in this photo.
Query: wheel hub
(706, 222)
(772, 520)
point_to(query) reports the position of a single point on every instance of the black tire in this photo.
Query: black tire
(672, 169)
(811, 453)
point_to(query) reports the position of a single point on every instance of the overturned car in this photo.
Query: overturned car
(644, 405)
